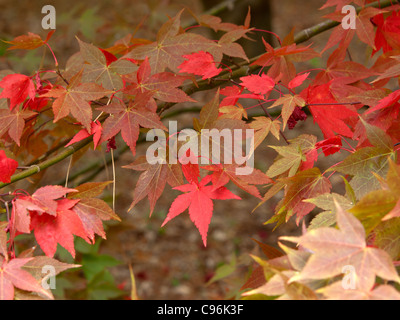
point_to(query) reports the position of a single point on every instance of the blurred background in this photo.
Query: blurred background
(168, 263)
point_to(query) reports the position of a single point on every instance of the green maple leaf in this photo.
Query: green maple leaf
(366, 162)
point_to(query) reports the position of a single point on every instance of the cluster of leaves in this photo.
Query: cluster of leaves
(125, 89)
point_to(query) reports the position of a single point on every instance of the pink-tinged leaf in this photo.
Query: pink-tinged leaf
(45, 197)
(7, 167)
(17, 87)
(333, 249)
(11, 275)
(43, 201)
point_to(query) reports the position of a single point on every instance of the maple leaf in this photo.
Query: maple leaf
(332, 249)
(386, 102)
(50, 230)
(330, 146)
(228, 172)
(12, 275)
(13, 122)
(380, 205)
(291, 156)
(364, 27)
(152, 181)
(198, 199)
(43, 200)
(163, 85)
(104, 68)
(289, 103)
(232, 94)
(29, 42)
(200, 63)
(232, 112)
(387, 32)
(304, 185)
(226, 45)
(391, 70)
(330, 118)
(343, 71)
(128, 119)
(91, 210)
(365, 161)
(170, 46)
(7, 167)
(258, 84)
(262, 127)
(215, 23)
(75, 100)
(381, 292)
(96, 131)
(327, 202)
(17, 87)
(298, 80)
(281, 59)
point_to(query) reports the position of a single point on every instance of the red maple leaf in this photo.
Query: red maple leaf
(232, 94)
(258, 84)
(83, 134)
(387, 35)
(281, 59)
(7, 167)
(330, 117)
(200, 63)
(50, 230)
(17, 87)
(198, 198)
(330, 146)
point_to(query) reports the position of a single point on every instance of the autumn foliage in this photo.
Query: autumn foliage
(110, 98)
